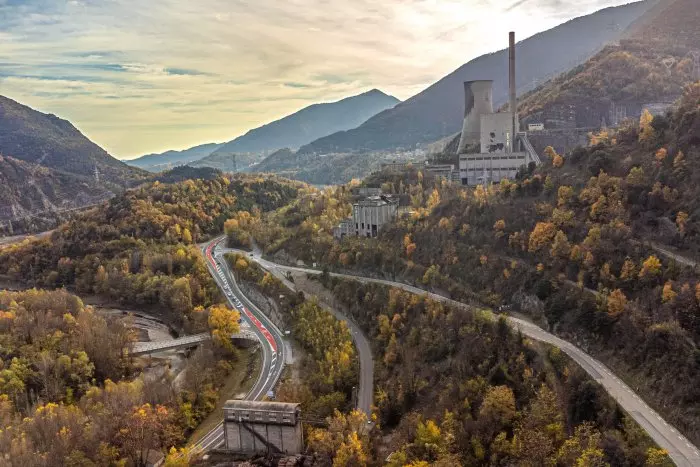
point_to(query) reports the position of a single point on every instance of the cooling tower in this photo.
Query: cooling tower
(478, 100)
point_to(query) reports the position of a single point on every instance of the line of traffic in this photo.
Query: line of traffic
(269, 336)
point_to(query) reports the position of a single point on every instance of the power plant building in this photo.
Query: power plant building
(252, 427)
(503, 149)
(370, 214)
(368, 217)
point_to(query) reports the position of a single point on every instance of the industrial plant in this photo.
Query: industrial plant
(502, 147)
(368, 216)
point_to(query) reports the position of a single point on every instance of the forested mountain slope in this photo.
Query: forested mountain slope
(455, 388)
(140, 249)
(310, 123)
(70, 392)
(648, 66)
(438, 111)
(225, 162)
(571, 245)
(27, 188)
(48, 140)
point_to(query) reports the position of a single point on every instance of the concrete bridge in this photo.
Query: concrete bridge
(143, 348)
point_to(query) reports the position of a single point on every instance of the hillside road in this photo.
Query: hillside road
(680, 449)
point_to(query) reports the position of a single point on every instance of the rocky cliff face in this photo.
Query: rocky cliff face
(34, 197)
(52, 142)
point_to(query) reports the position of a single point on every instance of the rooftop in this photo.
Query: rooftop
(377, 201)
(280, 407)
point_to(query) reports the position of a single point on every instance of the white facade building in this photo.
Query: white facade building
(476, 169)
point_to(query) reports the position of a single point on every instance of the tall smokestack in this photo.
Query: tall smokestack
(513, 96)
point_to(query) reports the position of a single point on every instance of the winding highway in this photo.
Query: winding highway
(272, 344)
(365, 390)
(680, 449)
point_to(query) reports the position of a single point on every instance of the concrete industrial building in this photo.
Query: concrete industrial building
(444, 171)
(503, 148)
(368, 217)
(252, 427)
(370, 214)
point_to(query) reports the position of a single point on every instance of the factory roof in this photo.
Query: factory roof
(377, 201)
(282, 407)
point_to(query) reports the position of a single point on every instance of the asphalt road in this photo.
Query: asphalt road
(680, 449)
(270, 337)
(680, 259)
(365, 390)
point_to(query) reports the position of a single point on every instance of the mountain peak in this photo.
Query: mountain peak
(53, 142)
(311, 123)
(375, 92)
(438, 111)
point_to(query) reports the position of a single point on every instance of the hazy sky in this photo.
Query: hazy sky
(139, 76)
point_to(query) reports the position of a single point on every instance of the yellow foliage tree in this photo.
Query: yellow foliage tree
(499, 227)
(558, 161)
(646, 131)
(223, 322)
(550, 152)
(617, 301)
(541, 236)
(658, 458)
(679, 160)
(576, 253)
(564, 195)
(601, 137)
(499, 405)
(561, 248)
(650, 267)
(241, 264)
(481, 195)
(351, 453)
(186, 235)
(428, 434)
(668, 294)
(434, 199)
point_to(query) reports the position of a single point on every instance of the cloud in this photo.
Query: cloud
(140, 77)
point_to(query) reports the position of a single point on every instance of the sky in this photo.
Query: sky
(142, 76)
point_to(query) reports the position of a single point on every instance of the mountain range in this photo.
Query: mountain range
(159, 162)
(646, 69)
(50, 141)
(292, 131)
(438, 111)
(48, 166)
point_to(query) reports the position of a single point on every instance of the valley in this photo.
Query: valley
(499, 269)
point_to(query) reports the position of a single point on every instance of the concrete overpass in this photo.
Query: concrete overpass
(143, 348)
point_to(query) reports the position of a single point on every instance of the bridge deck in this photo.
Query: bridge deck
(141, 348)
